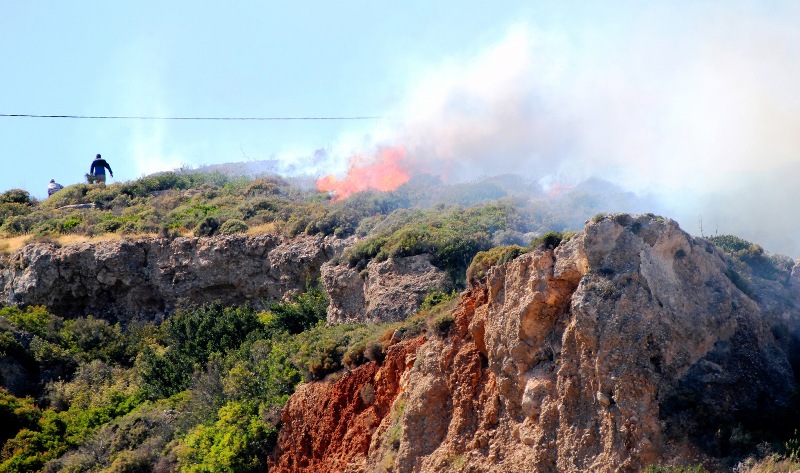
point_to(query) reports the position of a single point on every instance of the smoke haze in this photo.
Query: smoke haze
(697, 106)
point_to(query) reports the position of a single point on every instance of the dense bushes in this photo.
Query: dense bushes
(238, 441)
(189, 339)
(233, 226)
(186, 202)
(204, 392)
(762, 264)
(301, 313)
(17, 196)
(451, 235)
(16, 414)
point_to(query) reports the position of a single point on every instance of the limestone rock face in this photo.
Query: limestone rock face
(632, 343)
(149, 278)
(385, 291)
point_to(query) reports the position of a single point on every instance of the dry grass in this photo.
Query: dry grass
(265, 228)
(12, 244)
(74, 238)
(769, 464)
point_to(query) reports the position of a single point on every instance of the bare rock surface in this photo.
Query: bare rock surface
(150, 278)
(385, 291)
(631, 344)
(329, 426)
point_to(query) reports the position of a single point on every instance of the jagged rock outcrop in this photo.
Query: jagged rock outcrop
(386, 291)
(148, 278)
(630, 344)
(346, 413)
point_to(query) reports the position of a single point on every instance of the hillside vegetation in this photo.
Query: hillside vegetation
(203, 390)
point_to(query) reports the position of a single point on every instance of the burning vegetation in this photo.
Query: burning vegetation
(385, 172)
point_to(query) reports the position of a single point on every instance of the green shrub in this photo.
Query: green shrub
(16, 414)
(68, 224)
(358, 255)
(102, 197)
(762, 264)
(17, 225)
(441, 325)
(325, 358)
(207, 227)
(17, 196)
(354, 356)
(31, 449)
(730, 244)
(344, 216)
(265, 209)
(211, 328)
(91, 338)
(374, 351)
(35, 320)
(301, 313)
(232, 226)
(435, 298)
(70, 195)
(238, 441)
(450, 235)
(192, 336)
(548, 241)
(190, 215)
(598, 217)
(155, 183)
(484, 260)
(162, 375)
(261, 188)
(12, 209)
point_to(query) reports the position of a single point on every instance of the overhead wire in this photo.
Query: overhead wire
(125, 117)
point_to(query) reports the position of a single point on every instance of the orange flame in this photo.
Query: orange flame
(558, 189)
(388, 172)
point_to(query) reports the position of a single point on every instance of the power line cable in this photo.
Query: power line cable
(118, 117)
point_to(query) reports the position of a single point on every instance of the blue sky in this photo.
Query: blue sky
(693, 103)
(189, 58)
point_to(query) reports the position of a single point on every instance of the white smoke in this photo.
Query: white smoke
(696, 103)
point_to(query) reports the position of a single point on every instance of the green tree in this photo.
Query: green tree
(301, 313)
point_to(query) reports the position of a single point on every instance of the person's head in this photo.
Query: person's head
(52, 180)
(98, 156)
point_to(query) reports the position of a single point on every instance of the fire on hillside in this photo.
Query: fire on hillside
(386, 171)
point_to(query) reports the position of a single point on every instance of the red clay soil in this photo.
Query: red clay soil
(328, 426)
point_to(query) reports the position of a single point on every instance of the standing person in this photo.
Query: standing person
(98, 169)
(53, 187)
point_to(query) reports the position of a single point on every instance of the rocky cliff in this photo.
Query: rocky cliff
(149, 278)
(385, 291)
(632, 343)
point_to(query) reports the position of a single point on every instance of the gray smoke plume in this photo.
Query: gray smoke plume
(695, 104)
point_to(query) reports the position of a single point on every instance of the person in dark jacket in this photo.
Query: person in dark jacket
(98, 169)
